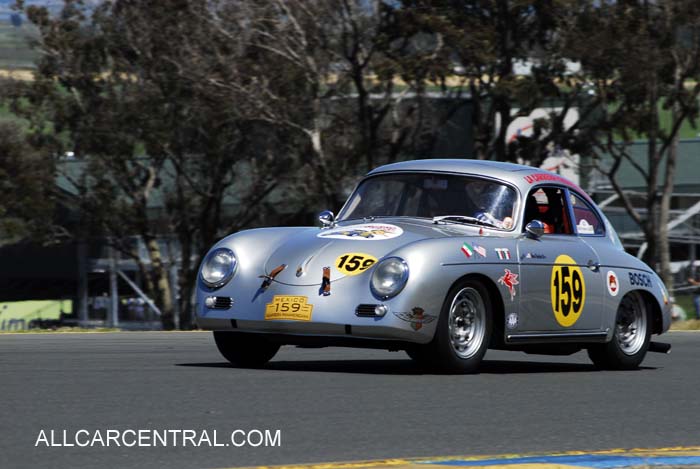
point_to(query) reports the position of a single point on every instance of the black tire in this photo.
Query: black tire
(443, 354)
(245, 350)
(619, 353)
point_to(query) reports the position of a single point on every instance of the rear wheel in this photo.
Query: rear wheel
(244, 350)
(630, 341)
(463, 331)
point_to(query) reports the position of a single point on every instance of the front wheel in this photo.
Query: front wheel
(463, 331)
(630, 341)
(244, 350)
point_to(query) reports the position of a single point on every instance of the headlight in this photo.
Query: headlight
(218, 267)
(389, 278)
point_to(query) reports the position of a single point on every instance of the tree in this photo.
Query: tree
(619, 64)
(484, 41)
(110, 88)
(326, 72)
(185, 115)
(642, 58)
(24, 179)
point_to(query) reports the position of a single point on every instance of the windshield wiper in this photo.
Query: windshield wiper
(462, 219)
(373, 217)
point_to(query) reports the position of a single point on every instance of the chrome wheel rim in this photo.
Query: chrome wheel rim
(631, 326)
(466, 322)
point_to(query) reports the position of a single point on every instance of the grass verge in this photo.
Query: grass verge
(689, 325)
(61, 330)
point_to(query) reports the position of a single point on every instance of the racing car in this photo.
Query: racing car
(444, 259)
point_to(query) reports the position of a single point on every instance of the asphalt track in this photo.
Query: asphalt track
(330, 404)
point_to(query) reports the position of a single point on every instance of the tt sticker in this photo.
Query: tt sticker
(354, 263)
(568, 291)
(503, 253)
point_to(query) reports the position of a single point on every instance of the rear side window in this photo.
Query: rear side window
(585, 218)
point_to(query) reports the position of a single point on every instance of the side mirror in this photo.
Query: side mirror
(535, 229)
(327, 219)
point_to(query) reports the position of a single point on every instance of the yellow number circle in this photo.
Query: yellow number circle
(354, 263)
(568, 291)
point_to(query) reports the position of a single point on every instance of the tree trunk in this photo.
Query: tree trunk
(320, 164)
(664, 245)
(666, 196)
(163, 291)
(186, 311)
(652, 233)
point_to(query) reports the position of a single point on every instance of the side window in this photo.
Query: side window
(548, 205)
(587, 221)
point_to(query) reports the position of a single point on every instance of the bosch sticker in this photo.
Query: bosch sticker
(639, 279)
(354, 263)
(612, 282)
(568, 291)
(365, 232)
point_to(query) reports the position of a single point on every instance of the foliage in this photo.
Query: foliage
(641, 58)
(483, 42)
(24, 179)
(185, 116)
(110, 87)
(191, 119)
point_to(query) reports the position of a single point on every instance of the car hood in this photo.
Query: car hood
(306, 253)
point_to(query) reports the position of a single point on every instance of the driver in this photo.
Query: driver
(493, 203)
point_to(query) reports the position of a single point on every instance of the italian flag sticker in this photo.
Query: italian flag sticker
(467, 250)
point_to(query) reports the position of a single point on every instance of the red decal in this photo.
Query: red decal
(539, 177)
(510, 280)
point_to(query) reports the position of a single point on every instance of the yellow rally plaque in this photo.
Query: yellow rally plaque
(568, 290)
(292, 308)
(354, 263)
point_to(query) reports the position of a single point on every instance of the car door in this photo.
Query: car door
(560, 281)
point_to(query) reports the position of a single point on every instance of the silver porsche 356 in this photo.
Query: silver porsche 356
(442, 259)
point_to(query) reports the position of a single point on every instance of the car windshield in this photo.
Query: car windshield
(459, 199)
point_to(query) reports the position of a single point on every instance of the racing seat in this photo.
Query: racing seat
(532, 211)
(556, 216)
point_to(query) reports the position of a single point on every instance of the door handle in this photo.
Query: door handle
(594, 266)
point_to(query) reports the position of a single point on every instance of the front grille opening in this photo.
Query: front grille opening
(223, 302)
(365, 311)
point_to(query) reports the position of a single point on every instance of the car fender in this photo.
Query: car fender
(643, 280)
(435, 265)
